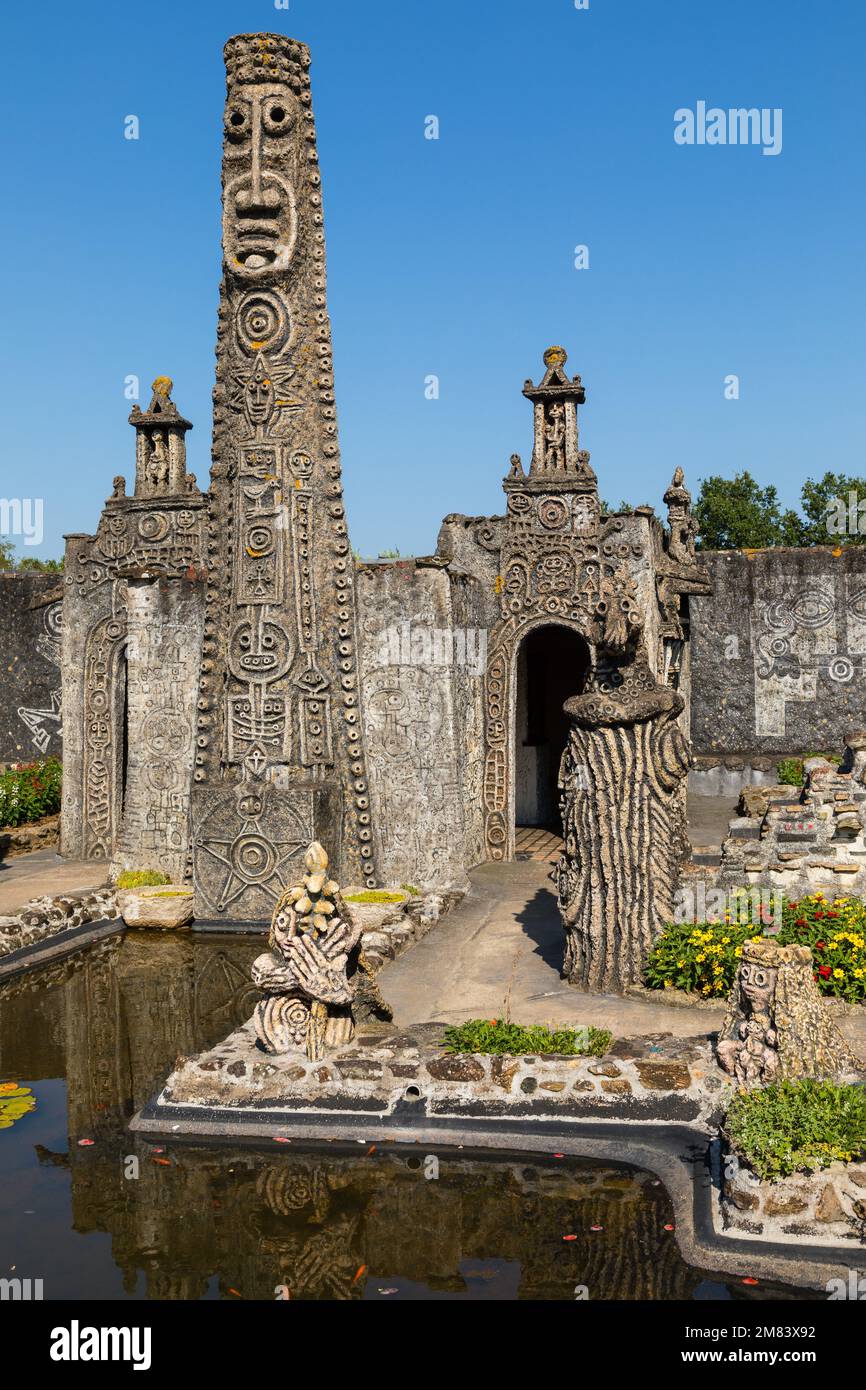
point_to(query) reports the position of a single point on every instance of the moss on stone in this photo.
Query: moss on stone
(374, 895)
(141, 878)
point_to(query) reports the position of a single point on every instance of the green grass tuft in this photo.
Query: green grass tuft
(141, 878)
(374, 895)
(495, 1036)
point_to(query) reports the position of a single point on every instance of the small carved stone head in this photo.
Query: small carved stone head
(757, 983)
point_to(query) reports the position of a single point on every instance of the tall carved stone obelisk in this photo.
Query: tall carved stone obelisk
(280, 757)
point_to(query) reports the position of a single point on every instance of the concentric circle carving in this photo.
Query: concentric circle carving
(262, 322)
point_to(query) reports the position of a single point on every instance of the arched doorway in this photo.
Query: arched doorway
(552, 666)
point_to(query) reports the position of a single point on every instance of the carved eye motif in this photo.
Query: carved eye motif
(237, 123)
(276, 117)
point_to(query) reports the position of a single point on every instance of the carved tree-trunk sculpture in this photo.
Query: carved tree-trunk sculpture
(314, 980)
(777, 1027)
(623, 818)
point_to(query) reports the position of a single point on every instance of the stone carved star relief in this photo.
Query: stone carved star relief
(260, 393)
(250, 858)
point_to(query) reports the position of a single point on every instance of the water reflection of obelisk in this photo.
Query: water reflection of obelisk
(280, 758)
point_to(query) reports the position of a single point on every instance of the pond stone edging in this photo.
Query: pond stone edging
(824, 1207)
(43, 918)
(651, 1078)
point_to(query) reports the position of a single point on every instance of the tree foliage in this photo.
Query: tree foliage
(10, 561)
(738, 514)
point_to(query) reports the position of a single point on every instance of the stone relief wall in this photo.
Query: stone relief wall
(164, 625)
(30, 622)
(422, 673)
(778, 650)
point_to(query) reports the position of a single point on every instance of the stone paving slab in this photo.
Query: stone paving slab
(44, 873)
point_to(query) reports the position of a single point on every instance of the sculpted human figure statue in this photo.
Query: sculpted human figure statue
(751, 1056)
(158, 470)
(554, 435)
(777, 1025)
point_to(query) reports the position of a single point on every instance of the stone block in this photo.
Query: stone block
(664, 1076)
(458, 1068)
(168, 907)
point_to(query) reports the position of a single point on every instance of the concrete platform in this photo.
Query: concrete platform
(499, 954)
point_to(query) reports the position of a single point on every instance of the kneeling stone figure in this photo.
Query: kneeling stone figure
(315, 981)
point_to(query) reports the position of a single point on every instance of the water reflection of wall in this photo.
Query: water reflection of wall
(113, 1019)
(326, 1227)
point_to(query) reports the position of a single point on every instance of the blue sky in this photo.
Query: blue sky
(451, 257)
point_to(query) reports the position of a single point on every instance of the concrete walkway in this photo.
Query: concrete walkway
(45, 873)
(499, 954)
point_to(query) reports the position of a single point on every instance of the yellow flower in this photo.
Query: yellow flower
(838, 974)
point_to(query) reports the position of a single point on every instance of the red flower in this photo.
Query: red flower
(818, 915)
(801, 922)
(819, 945)
(824, 971)
(832, 914)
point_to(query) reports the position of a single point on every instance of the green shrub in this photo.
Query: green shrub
(141, 878)
(494, 1035)
(797, 1125)
(411, 890)
(836, 932)
(701, 957)
(790, 770)
(29, 791)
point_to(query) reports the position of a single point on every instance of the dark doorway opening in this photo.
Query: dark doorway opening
(552, 666)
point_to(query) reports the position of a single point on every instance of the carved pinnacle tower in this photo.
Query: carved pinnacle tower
(280, 758)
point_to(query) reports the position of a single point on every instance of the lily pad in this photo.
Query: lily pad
(15, 1101)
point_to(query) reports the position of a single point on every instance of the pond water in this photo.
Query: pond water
(99, 1214)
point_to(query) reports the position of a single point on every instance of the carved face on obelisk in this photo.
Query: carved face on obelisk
(280, 758)
(260, 223)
